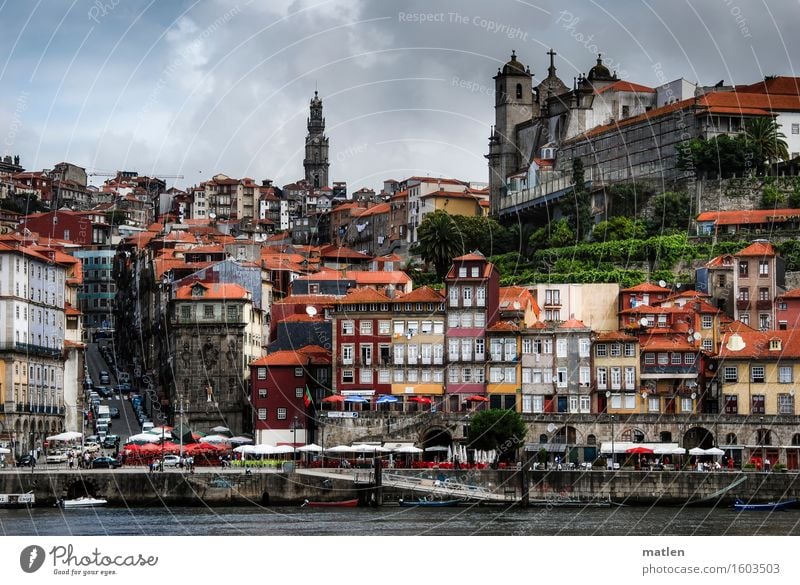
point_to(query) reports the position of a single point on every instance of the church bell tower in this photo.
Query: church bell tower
(316, 159)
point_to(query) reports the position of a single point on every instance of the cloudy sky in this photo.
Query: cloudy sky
(197, 88)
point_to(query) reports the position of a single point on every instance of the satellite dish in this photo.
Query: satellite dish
(690, 339)
(694, 395)
(696, 335)
(551, 427)
(691, 331)
(517, 305)
(311, 311)
(212, 215)
(662, 283)
(643, 321)
(644, 395)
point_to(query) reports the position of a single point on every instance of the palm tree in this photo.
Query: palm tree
(769, 141)
(438, 241)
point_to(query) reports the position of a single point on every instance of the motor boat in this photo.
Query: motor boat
(83, 502)
(337, 504)
(767, 507)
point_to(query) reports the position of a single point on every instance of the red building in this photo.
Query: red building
(73, 226)
(362, 337)
(473, 294)
(787, 309)
(279, 384)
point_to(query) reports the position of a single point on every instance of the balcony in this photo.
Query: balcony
(765, 305)
(31, 349)
(743, 305)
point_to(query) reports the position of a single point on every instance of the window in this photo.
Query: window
(785, 404)
(347, 354)
(561, 377)
(298, 372)
(262, 414)
(438, 327)
(366, 354)
(763, 320)
(348, 376)
(453, 294)
(629, 400)
(298, 392)
(467, 296)
(630, 378)
(480, 319)
(686, 405)
(616, 401)
(573, 404)
(186, 312)
(763, 267)
(495, 374)
(745, 318)
(601, 350)
(233, 313)
(675, 359)
(426, 327)
(583, 347)
(348, 327)
(663, 359)
(365, 376)
(466, 319)
(757, 404)
(398, 375)
(654, 404)
(480, 348)
(731, 374)
(282, 414)
(584, 375)
(453, 319)
(480, 376)
(383, 327)
(602, 378)
(262, 392)
(527, 375)
(708, 344)
(630, 350)
(721, 280)
(399, 354)
(365, 327)
(757, 374)
(707, 321)
(744, 267)
(649, 358)
(547, 346)
(262, 373)
(475, 272)
(480, 296)
(616, 378)
(785, 375)
(467, 375)
(626, 111)
(208, 311)
(383, 376)
(586, 403)
(526, 345)
(462, 272)
(616, 350)
(561, 347)
(552, 297)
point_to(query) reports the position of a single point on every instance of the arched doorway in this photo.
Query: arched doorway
(568, 437)
(698, 437)
(437, 442)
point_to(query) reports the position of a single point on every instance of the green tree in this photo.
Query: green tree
(116, 217)
(671, 210)
(771, 198)
(619, 228)
(583, 204)
(626, 199)
(767, 139)
(721, 156)
(483, 233)
(498, 429)
(438, 241)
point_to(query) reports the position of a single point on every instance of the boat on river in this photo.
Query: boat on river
(336, 504)
(767, 507)
(421, 503)
(84, 502)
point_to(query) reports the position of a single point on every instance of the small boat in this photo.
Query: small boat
(429, 503)
(337, 504)
(84, 502)
(768, 507)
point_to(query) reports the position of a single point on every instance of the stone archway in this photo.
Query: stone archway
(81, 488)
(698, 437)
(438, 439)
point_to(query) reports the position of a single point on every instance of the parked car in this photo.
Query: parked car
(171, 460)
(94, 446)
(56, 457)
(105, 378)
(111, 441)
(25, 461)
(124, 387)
(105, 463)
(91, 439)
(114, 412)
(105, 391)
(147, 425)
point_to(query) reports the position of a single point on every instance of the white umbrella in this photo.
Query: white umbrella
(246, 449)
(215, 439)
(437, 448)
(449, 453)
(144, 437)
(66, 436)
(339, 449)
(697, 451)
(241, 440)
(312, 448)
(220, 429)
(407, 449)
(159, 434)
(715, 451)
(281, 449)
(464, 453)
(4, 451)
(678, 451)
(367, 449)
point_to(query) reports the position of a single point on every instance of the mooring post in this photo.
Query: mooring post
(378, 487)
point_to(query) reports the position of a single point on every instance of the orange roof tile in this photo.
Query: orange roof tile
(476, 255)
(749, 216)
(757, 344)
(307, 300)
(423, 294)
(666, 343)
(647, 287)
(504, 326)
(213, 291)
(363, 295)
(791, 294)
(625, 86)
(615, 336)
(757, 248)
(573, 324)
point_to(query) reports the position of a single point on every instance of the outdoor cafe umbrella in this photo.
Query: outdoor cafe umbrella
(241, 440)
(221, 429)
(386, 399)
(4, 451)
(476, 398)
(216, 439)
(420, 399)
(356, 399)
(639, 451)
(697, 451)
(715, 451)
(411, 449)
(144, 438)
(65, 436)
(336, 398)
(311, 448)
(434, 448)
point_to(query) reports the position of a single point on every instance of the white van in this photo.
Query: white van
(146, 426)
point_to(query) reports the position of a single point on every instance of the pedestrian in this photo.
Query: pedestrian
(71, 461)
(730, 463)
(766, 464)
(33, 464)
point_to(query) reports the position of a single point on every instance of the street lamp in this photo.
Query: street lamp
(294, 438)
(322, 439)
(761, 433)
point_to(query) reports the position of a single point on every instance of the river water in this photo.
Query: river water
(396, 521)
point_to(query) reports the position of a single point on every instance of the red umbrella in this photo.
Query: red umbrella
(199, 447)
(334, 398)
(170, 447)
(639, 451)
(420, 399)
(476, 398)
(150, 448)
(132, 447)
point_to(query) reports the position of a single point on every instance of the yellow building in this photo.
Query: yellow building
(453, 202)
(756, 371)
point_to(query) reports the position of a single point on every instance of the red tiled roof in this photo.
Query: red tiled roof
(437, 180)
(376, 210)
(791, 294)
(504, 326)
(363, 295)
(757, 249)
(301, 318)
(300, 357)
(666, 343)
(625, 86)
(70, 310)
(471, 256)
(215, 291)
(342, 252)
(573, 324)
(423, 294)
(647, 287)
(307, 300)
(615, 336)
(779, 85)
(757, 344)
(749, 216)
(511, 294)
(449, 195)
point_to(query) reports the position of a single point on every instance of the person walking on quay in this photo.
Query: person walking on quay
(71, 460)
(33, 464)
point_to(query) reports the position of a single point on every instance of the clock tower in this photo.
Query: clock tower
(316, 160)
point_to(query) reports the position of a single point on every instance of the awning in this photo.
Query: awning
(621, 447)
(549, 447)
